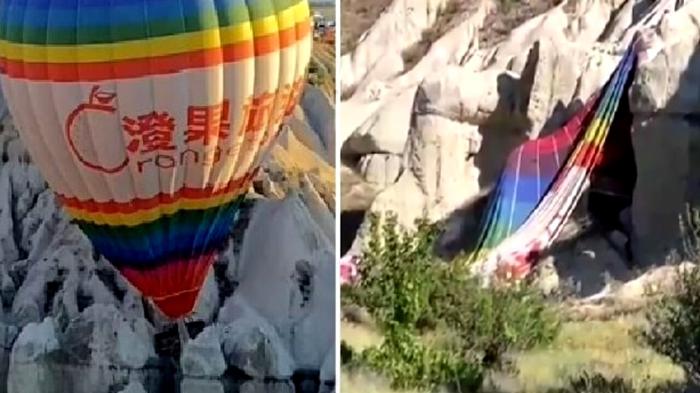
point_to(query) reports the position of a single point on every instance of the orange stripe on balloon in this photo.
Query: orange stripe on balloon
(163, 65)
(288, 35)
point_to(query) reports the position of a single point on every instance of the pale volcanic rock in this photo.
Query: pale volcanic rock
(405, 134)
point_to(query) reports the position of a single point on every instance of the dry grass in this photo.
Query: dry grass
(298, 159)
(322, 68)
(360, 337)
(357, 16)
(451, 15)
(606, 347)
(356, 382)
(508, 15)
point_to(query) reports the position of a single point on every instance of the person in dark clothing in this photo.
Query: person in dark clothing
(611, 213)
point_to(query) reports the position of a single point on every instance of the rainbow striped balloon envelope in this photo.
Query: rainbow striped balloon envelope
(149, 119)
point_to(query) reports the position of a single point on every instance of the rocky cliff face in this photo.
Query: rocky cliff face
(70, 323)
(429, 141)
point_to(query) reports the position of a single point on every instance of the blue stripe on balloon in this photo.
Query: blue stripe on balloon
(82, 14)
(173, 238)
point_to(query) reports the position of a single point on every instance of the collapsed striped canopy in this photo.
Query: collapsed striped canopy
(149, 119)
(544, 179)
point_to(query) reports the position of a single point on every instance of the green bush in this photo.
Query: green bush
(492, 321)
(674, 324)
(409, 363)
(674, 320)
(440, 326)
(397, 274)
(317, 72)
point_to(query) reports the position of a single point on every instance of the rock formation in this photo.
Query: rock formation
(451, 120)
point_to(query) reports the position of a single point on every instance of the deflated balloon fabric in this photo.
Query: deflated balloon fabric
(543, 180)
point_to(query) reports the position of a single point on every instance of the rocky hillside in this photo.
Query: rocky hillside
(265, 320)
(428, 137)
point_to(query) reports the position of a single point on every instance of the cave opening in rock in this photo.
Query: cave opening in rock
(83, 300)
(52, 288)
(350, 222)
(613, 181)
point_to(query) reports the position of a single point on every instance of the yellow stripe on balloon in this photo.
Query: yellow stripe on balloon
(591, 135)
(302, 11)
(146, 216)
(287, 19)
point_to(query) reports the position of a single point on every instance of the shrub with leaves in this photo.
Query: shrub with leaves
(317, 72)
(674, 324)
(440, 326)
(674, 321)
(396, 272)
(409, 363)
(492, 321)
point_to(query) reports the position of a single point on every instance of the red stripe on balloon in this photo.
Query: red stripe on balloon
(136, 205)
(173, 287)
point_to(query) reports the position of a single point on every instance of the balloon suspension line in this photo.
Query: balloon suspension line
(644, 39)
(184, 334)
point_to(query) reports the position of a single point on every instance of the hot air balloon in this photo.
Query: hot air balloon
(150, 118)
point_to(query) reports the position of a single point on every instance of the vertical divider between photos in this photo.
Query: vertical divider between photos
(338, 144)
